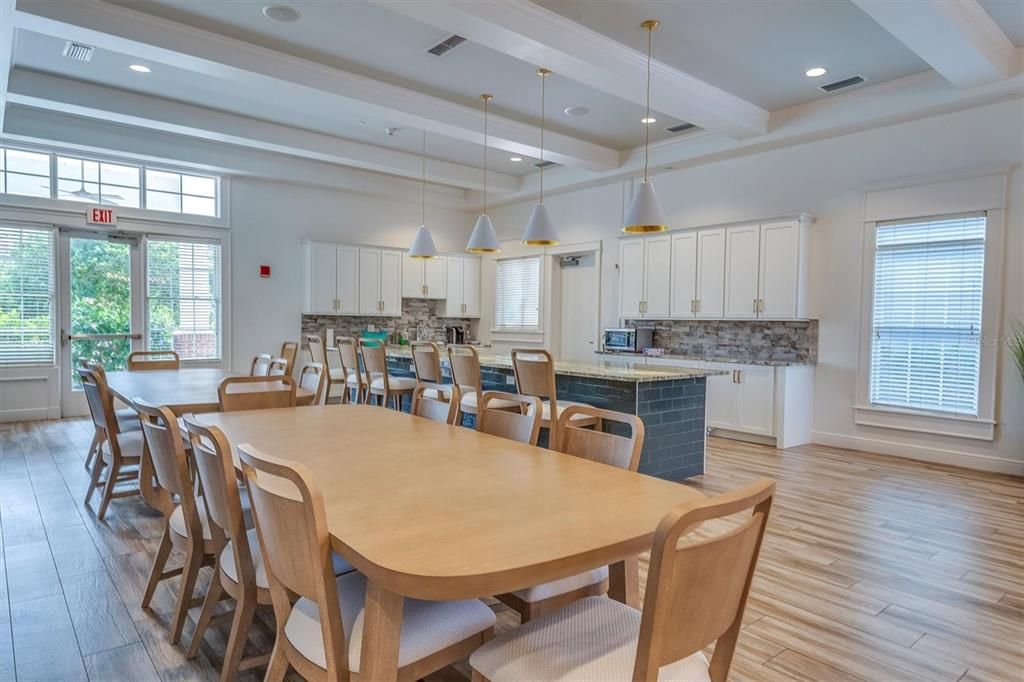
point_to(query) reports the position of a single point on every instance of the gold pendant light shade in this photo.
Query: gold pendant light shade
(540, 230)
(484, 239)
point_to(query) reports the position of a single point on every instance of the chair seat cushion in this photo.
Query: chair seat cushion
(227, 561)
(445, 392)
(127, 419)
(427, 626)
(590, 639)
(556, 587)
(469, 400)
(338, 374)
(396, 383)
(562, 406)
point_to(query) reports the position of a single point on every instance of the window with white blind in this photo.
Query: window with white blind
(183, 298)
(517, 294)
(926, 326)
(26, 296)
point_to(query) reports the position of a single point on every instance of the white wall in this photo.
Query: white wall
(269, 221)
(826, 178)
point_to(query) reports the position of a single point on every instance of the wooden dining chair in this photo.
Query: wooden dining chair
(278, 367)
(381, 385)
(320, 617)
(605, 448)
(426, 365)
(260, 365)
(186, 526)
(428, 402)
(522, 425)
(127, 419)
(311, 378)
(535, 375)
(354, 387)
(464, 362)
(255, 393)
(334, 377)
(696, 594)
(289, 352)
(142, 360)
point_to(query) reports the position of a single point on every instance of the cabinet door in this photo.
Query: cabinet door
(434, 277)
(631, 278)
(453, 288)
(710, 274)
(756, 399)
(471, 287)
(348, 280)
(742, 245)
(369, 281)
(684, 275)
(391, 282)
(780, 269)
(722, 400)
(657, 276)
(321, 284)
(412, 277)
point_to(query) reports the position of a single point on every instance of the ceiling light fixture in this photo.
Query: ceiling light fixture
(515, 159)
(540, 231)
(281, 13)
(483, 238)
(139, 68)
(816, 72)
(645, 214)
(423, 243)
(648, 120)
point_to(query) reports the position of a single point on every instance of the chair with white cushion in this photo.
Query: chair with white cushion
(535, 375)
(696, 594)
(597, 446)
(278, 367)
(311, 378)
(428, 401)
(382, 386)
(320, 617)
(126, 418)
(426, 365)
(355, 386)
(255, 393)
(289, 353)
(464, 362)
(522, 425)
(260, 365)
(334, 379)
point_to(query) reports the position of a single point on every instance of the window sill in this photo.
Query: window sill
(518, 335)
(920, 421)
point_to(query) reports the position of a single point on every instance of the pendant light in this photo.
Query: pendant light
(645, 214)
(423, 243)
(483, 239)
(540, 231)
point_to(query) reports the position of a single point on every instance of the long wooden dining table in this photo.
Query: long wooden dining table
(433, 511)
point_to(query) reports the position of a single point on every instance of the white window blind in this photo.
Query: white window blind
(926, 343)
(517, 293)
(183, 298)
(26, 296)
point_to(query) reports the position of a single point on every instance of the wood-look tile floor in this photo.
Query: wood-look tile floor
(873, 568)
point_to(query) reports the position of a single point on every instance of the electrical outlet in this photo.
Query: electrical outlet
(510, 379)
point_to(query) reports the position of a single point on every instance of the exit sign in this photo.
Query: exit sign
(101, 216)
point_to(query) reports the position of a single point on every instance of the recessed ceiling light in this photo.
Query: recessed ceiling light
(515, 159)
(816, 72)
(576, 111)
(140, 68)
(280, 13)
(648, 120)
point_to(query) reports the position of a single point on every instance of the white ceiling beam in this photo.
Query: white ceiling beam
(539, 36)
(6, 53)
(45, 91)
(312, 84)
(957, 38)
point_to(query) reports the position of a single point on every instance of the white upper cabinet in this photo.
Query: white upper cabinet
(710, 293)
(631, 278)
(657, 276)
(783, 270)
(434, 275)
(683, 301)
(369, 282)
(742, 251)
(391, 283)
(348, 280)
(423, 277)
(462, 290)
(332, 272)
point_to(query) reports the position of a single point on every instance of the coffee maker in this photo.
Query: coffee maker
(454, 334)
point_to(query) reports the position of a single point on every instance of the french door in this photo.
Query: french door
(101, 311)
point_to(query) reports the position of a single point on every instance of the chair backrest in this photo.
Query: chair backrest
(348, 350)
(696, 592)
(278, 366)
(141, 360)
(255, 393)
(434, 406)
(522, 426)
(260, 365)
(535, 373)
(600, 446)
(289, 351)
(316, 349)
(101, 403)
(464, 362)
(426, 362)
(375, 360)
(311, 378)
(292, 528)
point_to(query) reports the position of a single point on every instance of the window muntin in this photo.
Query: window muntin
(181, 193)
(183, 298)
(98, 182)
(24, 173)
(926, 326)
(26, 296)
(517, 294)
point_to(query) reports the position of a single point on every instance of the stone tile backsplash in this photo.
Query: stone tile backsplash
(794, 341)
(417, 314)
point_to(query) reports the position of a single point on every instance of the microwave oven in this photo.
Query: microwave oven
(628, 339)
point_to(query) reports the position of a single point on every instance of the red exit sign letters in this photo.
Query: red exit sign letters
(101, 216)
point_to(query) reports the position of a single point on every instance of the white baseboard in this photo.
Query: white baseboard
(30, 414)
(968, 460)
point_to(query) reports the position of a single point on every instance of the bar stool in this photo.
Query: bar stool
(379, 383)
(348, 349)
(535, 375)
(335, 378)
(465, 365)
(426, 365)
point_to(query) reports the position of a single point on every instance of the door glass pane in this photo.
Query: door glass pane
(101, 295)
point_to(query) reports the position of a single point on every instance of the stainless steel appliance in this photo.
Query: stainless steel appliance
(628, 339)
(455, 335)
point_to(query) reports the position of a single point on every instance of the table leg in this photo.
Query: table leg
(624, 581)
(382, 628)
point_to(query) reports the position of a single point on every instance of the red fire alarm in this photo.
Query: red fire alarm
(265, 271)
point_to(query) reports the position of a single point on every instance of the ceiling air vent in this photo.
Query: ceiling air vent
(545, 164)
(681, 127)
(78, 51)
(845, 83)
(449, 43)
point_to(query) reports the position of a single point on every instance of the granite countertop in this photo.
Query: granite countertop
(594, 370)
(710, 358)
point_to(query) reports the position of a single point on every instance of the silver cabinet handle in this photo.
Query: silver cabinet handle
(760, 305)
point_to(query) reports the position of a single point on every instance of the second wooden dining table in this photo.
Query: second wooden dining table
(433, 511)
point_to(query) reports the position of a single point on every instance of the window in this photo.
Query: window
(97, 182)
(926, 333)
(24, 173)
(26, 296)
(517, 294)
(183, 298)
(181, 193)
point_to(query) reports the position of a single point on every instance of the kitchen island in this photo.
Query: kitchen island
(669, 400)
